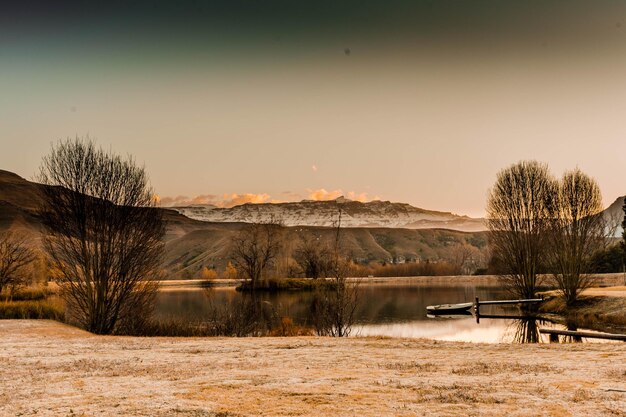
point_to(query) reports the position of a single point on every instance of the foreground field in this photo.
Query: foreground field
(47, 368)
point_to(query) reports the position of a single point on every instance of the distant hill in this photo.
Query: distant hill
(210, 245)
(20, 200)
(614, 215)
(192, 244)
(324, 213)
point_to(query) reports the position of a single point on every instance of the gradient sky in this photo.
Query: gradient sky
(413, 101)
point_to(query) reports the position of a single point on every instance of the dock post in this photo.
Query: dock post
(477, 309)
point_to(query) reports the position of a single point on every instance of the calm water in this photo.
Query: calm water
(397, 310)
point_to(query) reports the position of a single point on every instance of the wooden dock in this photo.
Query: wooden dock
(478, 303)
(577, 334)
(500, 302)
(507, 317)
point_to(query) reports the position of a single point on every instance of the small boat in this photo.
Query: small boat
(449, 308)
(455, 315)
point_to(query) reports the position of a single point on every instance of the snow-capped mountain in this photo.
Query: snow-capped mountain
(325, 213)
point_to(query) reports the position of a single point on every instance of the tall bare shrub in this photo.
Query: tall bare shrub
(518, 219)
(104, 235)
(255, 248)
(313, 256)
(16, 258)
(623, 242)
(334, 308)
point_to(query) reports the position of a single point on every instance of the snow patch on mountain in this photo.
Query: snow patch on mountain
(325, 214)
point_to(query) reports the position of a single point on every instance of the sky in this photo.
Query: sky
(227, 102)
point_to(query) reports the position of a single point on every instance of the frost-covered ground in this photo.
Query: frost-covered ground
(50, 369)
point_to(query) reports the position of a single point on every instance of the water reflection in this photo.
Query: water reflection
(397, 310)
(526, 330)
(379, 303)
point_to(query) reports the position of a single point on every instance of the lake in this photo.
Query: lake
(396, 309)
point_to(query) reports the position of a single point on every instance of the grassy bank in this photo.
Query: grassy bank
(50, 308)
(40, 309)
(31, 303)
(29, 294)
(594, 310)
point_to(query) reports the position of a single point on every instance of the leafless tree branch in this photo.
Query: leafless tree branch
(104, 233)
(577, 231)
(518, 219)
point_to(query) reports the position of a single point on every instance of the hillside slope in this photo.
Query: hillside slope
(20, 199)
(209, 245)
(191, 245)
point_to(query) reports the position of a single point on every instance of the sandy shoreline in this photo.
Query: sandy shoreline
(47, 368)
(186, 284)
(603, 279)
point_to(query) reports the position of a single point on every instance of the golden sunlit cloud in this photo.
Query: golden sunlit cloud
(228, 200)
(323, 195)
(362, 197)
(231, 200)
(183, 200)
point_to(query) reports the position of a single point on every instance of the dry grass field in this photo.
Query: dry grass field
(47, 368)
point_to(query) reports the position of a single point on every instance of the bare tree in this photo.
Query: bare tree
(104, 235)
(465, 258)
(334, 308)
(577, 232)
(623, 242)
(313, 256)
(15, 259)
(255, 247)
(518, 219)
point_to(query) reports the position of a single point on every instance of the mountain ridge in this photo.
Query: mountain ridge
(192, 245)
(324, 213)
